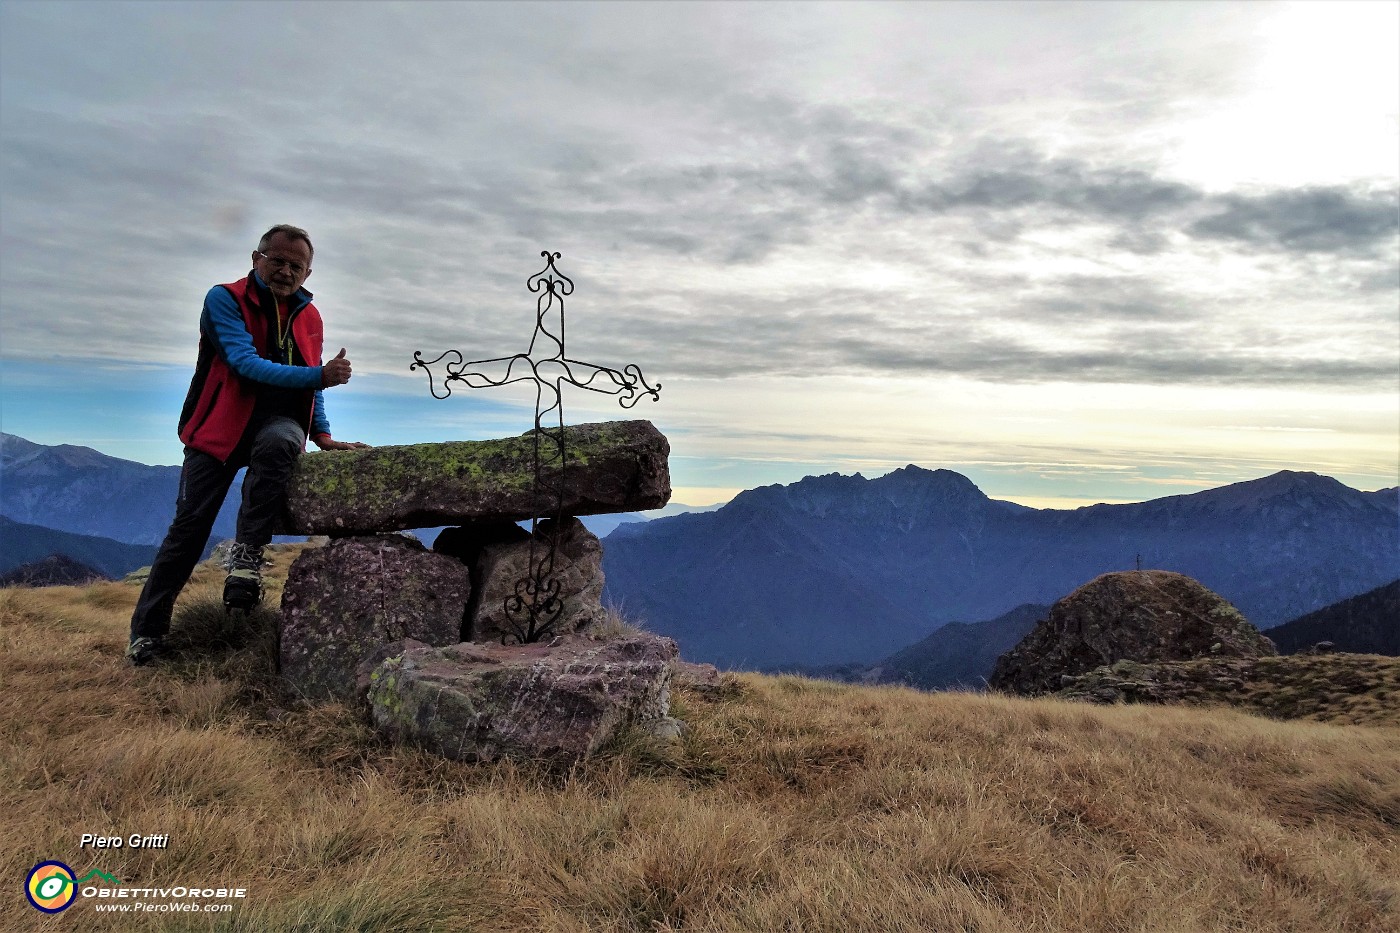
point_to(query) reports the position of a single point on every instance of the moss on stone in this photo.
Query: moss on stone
(508, 463)
(376, 479)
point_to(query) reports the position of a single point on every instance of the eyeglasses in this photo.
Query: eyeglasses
(295, 268)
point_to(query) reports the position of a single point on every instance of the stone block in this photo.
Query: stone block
(616, 466)
(345, 602)
(501, 563)
(558, 702)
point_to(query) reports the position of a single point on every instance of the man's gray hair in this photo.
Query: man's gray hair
(287, 230)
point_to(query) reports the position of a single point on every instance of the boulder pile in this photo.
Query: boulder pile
(1144, 616)
(423, 639)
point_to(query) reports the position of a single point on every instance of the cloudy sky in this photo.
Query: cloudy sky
(1079, 252)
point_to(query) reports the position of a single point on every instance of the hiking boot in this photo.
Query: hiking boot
(143, 651)
(243, 585)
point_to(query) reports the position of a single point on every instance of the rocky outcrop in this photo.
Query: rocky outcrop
(704, 679)
(1164, 682)
(345, 602)
(54, 570)
(558, 702)
(618, 466)
(1143, 616)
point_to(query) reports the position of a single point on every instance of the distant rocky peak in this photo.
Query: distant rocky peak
(15, 449)
(821, 495)
(54, 570)
(1285, 486)
(906, 492)
(945, 481)
(1290, 480)
(805, 494)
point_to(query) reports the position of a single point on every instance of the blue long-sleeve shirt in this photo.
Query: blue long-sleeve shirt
(223, 321)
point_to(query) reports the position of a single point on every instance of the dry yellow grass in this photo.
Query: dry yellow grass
(791, 805)
(1360, 689)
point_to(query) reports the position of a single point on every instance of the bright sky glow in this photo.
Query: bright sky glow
(1079, 252)
(1320, 99)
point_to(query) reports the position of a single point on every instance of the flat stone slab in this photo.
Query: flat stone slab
(612, 466)
(557, 702)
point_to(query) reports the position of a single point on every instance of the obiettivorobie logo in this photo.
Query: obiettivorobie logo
(52, 888)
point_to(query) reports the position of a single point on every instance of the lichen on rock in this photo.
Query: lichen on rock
(617, 466)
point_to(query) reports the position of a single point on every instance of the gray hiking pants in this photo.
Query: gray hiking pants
(269, 450)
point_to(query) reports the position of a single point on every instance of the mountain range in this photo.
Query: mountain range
(846, 570)
(79, 490)
(1365, 624)
(22, 544)
(831, 570)
(958, 656)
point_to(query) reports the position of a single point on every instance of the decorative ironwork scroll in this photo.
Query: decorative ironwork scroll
(534, 608)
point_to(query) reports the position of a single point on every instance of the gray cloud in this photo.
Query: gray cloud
(1312, 219)
(1123, 193)
(1143, 208)
(820, 166)
(403, 216)
(1137, 335)
(1142, 360)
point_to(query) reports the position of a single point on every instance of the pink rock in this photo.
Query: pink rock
(345, 602)
(559, 701)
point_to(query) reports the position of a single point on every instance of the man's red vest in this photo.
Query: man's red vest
(220, 402)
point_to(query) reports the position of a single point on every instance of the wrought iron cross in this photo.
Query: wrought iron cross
(534, 608)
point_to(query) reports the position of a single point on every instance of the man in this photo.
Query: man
(254, 399)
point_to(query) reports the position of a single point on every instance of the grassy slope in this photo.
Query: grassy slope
(793, 805)
(1360, 689)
